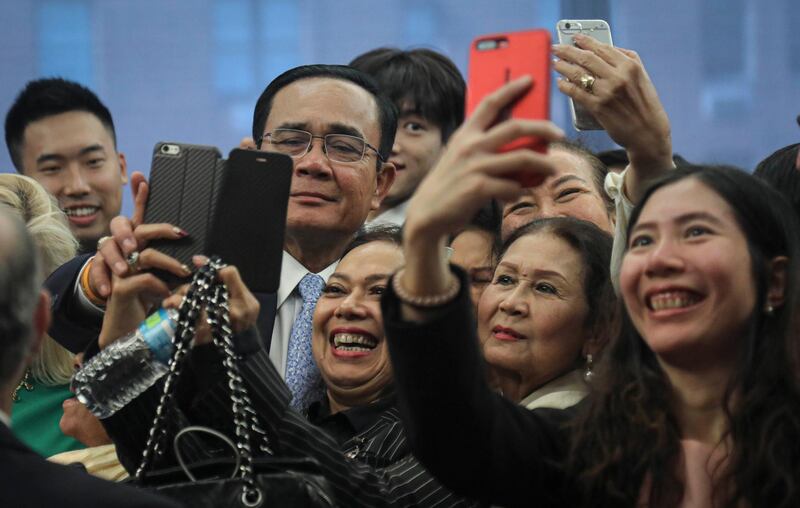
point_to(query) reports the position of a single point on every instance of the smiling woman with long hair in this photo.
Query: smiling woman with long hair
(697, 402)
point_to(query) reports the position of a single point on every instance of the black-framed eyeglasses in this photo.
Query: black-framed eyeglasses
(337, 147)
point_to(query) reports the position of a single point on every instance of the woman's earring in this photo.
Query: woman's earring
(588, 373)
(770, 310)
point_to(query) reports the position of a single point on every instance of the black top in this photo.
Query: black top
(29, 481)
(373, 468)
(344, 425)
(473, 440)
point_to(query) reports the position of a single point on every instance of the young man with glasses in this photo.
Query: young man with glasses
(428, 91)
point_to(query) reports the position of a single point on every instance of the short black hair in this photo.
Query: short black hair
(389, 233)
(619, 157)
(780, 170)
(387, 114)
(47, 97)
(427, 81)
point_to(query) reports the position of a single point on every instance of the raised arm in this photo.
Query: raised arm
(624, 101)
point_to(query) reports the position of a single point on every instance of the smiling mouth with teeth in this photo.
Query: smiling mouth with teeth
(353, 342)
(81, 211)
(672, 300)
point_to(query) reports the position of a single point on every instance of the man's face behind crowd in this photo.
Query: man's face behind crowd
(73, 156)
(417, 147)
(326, 196)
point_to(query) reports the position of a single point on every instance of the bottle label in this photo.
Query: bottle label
(157, 331)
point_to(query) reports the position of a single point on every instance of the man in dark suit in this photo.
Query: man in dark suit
(28, 480)
(339, 130)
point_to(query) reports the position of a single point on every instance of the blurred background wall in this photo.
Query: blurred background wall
(727, 71)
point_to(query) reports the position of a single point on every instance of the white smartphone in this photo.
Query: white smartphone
(596, 29)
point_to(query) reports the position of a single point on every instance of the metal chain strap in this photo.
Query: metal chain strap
(207, 292)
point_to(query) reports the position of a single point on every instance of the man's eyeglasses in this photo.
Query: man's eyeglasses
(337, 147)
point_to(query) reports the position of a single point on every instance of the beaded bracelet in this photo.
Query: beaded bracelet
(427, 301)
(87, 288)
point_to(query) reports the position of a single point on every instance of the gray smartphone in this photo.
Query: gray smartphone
(596, 29)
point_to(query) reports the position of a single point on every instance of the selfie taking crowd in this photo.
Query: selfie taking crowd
(450, 322)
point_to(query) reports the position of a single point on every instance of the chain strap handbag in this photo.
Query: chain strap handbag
(241, 480)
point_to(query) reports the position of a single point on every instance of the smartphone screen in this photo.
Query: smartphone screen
(596, 29)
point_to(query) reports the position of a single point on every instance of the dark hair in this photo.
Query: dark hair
(599, 169)
(488, 219)
(620, 158)
(421, 79)
(20, 280)
(593, 245)
(780, 170)
(387, 114)
(389, 233)
(629, 432)
(47, 97)
(616, 157)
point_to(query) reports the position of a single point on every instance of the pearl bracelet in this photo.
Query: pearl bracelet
(427, 301)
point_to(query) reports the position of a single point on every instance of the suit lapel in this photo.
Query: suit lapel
(266, 316)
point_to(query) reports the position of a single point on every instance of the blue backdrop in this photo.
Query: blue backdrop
(191, 70)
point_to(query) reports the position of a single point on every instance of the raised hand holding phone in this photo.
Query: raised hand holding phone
(498, 59)
(623, 101)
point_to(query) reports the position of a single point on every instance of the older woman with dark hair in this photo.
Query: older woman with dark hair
(548, 312)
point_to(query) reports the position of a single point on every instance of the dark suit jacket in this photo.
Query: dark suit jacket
(28, 481)
(73, 330)
(475, 441)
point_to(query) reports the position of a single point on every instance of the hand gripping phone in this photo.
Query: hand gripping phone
(596, 29)
(496, 59)
(235, 209)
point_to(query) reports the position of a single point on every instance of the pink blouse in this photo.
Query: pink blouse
(702, 462)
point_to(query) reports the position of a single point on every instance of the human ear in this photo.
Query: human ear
(776, 286)
(386, 175)
(123, 167)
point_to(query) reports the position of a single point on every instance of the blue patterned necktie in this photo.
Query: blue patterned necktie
(302, 374)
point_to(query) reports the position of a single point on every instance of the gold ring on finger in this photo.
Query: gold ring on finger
(133, 261)
(101, 241)
(587, 82)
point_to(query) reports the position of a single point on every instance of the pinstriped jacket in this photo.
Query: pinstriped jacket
(374, 468)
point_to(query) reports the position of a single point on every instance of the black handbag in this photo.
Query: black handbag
(241, 480)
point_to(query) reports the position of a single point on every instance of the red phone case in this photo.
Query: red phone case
(496, 59)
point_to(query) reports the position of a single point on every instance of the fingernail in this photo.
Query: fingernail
(103, 290)
(180, 232)
(120, 267)
(186, 269)
(129, 244)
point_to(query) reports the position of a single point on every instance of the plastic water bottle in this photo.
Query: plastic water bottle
(128, 366)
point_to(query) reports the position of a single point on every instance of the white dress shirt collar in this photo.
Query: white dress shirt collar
(292, 272)
(396, 215)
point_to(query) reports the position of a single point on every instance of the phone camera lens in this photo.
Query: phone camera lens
(567, 25)
(164, 149)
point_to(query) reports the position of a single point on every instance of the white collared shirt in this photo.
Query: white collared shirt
(396, 215)
(289, 303)
(615, 188)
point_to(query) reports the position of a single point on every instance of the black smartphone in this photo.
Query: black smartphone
(250, 217)
(185, 182)
(233, 208)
